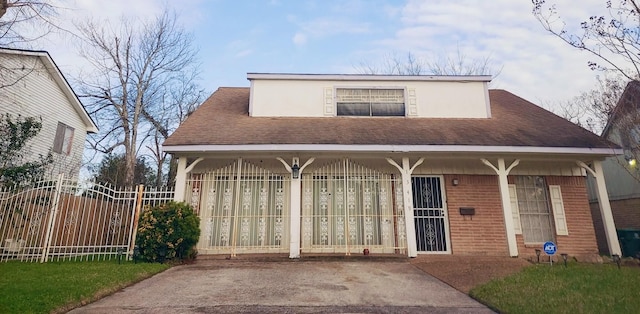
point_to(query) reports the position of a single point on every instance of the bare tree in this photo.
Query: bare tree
(132, 64)
(612, 37)
(461, 64)
(458, 64)
(592, 109)
(17, 15)
(174, 104)
(21, 22)
(393, 64)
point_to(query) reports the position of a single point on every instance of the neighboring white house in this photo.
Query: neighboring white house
(31, 84)
(621, 173)
(310, 163)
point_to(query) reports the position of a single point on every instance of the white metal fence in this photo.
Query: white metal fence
(65, 219)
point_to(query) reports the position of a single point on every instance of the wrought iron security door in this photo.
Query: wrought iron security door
(347, 207)
(429, 214)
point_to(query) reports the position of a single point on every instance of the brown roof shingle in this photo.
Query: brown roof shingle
(223, 120)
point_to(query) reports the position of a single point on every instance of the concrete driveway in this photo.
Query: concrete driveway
(324, 286)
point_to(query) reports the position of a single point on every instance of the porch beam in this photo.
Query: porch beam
(605, 206)
(407, 191)
(502, 171)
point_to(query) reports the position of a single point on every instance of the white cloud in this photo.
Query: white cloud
(325, 27)
(299, 39)
(535, 64)
(244, 53)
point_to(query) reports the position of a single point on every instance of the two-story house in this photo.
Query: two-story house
(622, 172)
(31, 85)
(353, 164)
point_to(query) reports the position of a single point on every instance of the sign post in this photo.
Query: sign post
(550, 249)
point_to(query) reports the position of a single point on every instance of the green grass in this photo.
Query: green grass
(580, 288)
(56, 286)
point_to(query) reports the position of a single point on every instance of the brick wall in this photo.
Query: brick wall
(626, 214)
(581, 240)
(482, 233)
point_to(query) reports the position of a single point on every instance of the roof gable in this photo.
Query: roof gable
(628, 103)
(61, 82)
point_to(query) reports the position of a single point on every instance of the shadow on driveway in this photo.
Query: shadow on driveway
(284, 286)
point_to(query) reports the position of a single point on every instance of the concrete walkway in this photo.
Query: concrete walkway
(324, 286)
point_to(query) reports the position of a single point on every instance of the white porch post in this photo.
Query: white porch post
(295, 206)
(181, 180)
(503, 172)
(181, 177)
(407, 191)
(605, 206)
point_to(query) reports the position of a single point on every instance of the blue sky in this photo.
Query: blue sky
(316, 36)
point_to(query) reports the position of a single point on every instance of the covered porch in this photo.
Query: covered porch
(365, 203)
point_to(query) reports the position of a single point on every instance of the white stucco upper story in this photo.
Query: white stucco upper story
(318, 95)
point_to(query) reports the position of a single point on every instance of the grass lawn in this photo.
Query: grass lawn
(580, 288)
(42, 288)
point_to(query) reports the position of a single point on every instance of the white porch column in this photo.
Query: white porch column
(605, 206)
(407, 191)
(181, 180)
(503, 172)
(181, 177)
(295, 206)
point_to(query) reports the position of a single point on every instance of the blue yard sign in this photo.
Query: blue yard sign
(549, 248)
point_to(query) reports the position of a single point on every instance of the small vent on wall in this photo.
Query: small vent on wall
(328, 101)
(412, 104)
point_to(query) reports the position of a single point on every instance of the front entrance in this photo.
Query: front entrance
(430, 215)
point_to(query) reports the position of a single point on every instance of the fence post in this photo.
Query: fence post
(52, 219)
(136, 217)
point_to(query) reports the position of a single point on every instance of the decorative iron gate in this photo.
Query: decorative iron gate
(65, 219)
(347, 207)
(242, 207)
(430, 214)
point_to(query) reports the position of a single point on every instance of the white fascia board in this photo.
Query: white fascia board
(68, 91)
(393, 149)
(365, 77)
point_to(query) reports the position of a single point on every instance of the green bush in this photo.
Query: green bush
(168, 232)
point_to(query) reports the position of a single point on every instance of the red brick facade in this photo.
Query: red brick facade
(484, 233)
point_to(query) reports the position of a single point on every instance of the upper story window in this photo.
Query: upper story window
(63, 140)
(370, 102)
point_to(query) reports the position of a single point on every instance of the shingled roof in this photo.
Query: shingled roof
(223, 119)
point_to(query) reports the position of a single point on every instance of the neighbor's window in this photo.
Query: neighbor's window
(63, 140)
(535, 209)
(370, 102)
